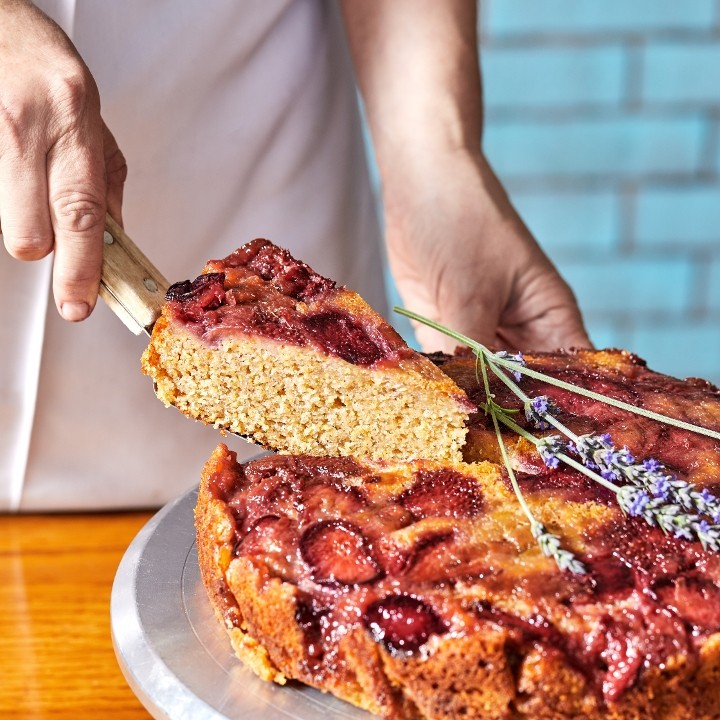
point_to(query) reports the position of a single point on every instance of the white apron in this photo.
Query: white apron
(238, 119)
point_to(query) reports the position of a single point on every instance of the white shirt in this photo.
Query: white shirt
(238, 119)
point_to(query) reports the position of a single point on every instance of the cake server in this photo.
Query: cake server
(132, 287)
(130, 284)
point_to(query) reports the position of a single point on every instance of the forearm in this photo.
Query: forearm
(417, 67)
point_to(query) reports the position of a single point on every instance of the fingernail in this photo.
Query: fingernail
(74, 311)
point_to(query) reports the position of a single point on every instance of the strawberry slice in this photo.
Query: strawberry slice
(443, 493)
(402, 623)
(338, 552)
(695, 599)
(268, 536)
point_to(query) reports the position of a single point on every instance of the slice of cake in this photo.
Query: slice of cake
(263, 346)
(416, 590)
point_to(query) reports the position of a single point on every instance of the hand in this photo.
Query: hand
(461, 256)
(459, 253)
(60, 167)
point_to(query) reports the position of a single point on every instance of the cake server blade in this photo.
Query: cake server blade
(133, 288)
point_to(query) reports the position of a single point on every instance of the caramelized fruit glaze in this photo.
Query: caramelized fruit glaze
(332, 529)
(261, 289)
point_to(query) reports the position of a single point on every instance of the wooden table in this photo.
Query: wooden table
(56, 654)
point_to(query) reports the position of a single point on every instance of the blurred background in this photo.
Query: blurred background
(603, 121)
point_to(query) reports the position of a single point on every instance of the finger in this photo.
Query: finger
(24, 212)
(115, 175)
(76, 188)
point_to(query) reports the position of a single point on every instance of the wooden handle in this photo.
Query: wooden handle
(130, 284)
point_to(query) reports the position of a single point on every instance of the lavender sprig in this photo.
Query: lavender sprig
(669, 517)
(550, 546)
(650, 475)
(650, 492)
(549, 543)
(652, 504)
(515, 366)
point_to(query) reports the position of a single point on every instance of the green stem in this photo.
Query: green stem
(511, 472)
(528, 400)
(562, 456)
(479, 347)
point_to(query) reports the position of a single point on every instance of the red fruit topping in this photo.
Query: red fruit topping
(264, 537)
(535, 628)
(609, 577)
(695, 599)
(228, 480)
(620, 646)
(339, 334)
(424, 559)
(569, 485)
(292, 277)
(270, 542)
(651, 554)
(205, 292)
(402, 623)
(443, 493)
(270, 497)
(338, 552)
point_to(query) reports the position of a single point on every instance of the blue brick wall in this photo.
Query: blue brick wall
(557, 17)
(590, 147)
(546, 76)
(603, 120)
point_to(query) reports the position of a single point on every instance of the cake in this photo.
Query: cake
(416, 590)
(616, 373)
(262, 346)
(394, 556)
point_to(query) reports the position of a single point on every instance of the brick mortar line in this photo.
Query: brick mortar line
(592, 38)
(633, 62)
(627, 210)
(648, 318)
(700, 289)
(548, 114)
(601, 181)
(671, 252)
(711, 144)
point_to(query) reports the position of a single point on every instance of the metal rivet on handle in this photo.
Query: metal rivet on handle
(150, 284)
(108, 238)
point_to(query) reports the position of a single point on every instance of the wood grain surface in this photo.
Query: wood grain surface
(56, 654)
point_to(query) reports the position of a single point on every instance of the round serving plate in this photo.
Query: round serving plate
(173, 651)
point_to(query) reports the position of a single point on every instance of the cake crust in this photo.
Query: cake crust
(496, 630)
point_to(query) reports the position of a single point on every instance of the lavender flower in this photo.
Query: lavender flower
(537, 410)
(669, 517)
(599, 453)
(708, 535)
(550, 447)
(517, 357)
(550, 547)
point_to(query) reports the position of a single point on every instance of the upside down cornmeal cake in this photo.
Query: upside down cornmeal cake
(412, 559)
